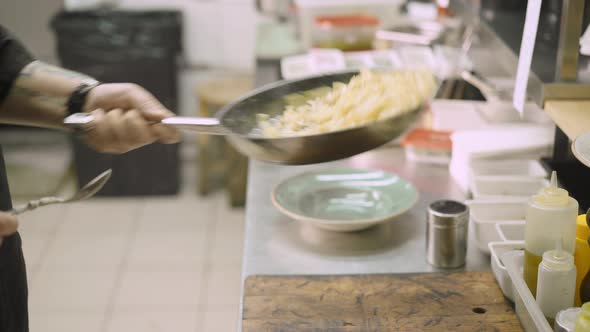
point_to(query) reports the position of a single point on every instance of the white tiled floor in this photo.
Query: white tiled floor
(135, 264)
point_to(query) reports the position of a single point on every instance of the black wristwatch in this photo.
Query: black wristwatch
(78, 97)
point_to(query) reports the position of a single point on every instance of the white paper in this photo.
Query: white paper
(585, 42)
(525, 57)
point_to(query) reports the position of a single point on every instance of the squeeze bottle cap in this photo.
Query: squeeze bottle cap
(558, 259)
(552, 195)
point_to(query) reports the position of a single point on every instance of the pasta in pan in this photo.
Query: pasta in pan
(368, 97)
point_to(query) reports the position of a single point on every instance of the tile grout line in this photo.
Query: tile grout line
(118, 282)
(205, 273)
(52, 236)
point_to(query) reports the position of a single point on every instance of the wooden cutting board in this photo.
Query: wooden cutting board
(462, 301)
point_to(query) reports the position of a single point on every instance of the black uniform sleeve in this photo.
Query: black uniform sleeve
(13, 58)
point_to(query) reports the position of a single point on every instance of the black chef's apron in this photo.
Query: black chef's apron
(13, 277)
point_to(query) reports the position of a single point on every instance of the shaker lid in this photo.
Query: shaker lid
(447, 213)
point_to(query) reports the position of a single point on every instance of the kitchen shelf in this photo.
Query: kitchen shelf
(573, 117)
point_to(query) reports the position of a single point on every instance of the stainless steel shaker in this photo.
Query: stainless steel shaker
(446, 233)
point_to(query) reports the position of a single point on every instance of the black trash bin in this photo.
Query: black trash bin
(140, 47)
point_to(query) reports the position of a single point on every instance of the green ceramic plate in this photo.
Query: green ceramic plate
(344, 200)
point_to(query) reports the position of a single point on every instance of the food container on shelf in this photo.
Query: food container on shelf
(386, 58)
(326, 60)
(428, 146)
(296, 66)
(359, 60)
(72, 5)
(505, 142)
(386, 11)
(485, 214)
(418, 57)
(508, 168)
(497, 249)
(495, 186)
(529, 313)
(319, 61)
(511, 230)
(345, 32)
(409, 32)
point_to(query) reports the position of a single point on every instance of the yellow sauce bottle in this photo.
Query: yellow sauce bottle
(550, 216)
(583, 319)
(582, 255)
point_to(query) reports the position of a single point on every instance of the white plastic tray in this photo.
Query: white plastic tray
(486, 214)
(530, 315)
(497, 249)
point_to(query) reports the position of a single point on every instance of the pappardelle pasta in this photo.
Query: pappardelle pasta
(368, 97)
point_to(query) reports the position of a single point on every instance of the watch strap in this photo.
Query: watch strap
(77, 99)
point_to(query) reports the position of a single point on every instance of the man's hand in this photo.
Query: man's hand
(8, 224)
(125, 118)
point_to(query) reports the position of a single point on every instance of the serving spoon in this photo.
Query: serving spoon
(89, 190)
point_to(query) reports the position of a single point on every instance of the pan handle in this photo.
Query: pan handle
(211, 126)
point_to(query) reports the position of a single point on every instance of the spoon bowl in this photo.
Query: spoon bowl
(87, 191)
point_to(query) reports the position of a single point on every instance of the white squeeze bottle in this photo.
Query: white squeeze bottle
(556, 284)
(550, 217)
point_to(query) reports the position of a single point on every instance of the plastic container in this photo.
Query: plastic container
(346, 32)
(505, 168)
(386, 58)
(318, 61)
(326, 60)
(566, 319)
(359, 60)
(556, 282)
(493, 187)
(503, 142)
(418, 57)
(485, 214)
(386, 11)
(550, 218)
(296, 66)
(530, 315)
(497, 249)
(89, 4)
(428, 146)
(511, 230)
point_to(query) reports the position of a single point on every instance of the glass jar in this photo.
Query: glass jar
(346, 32)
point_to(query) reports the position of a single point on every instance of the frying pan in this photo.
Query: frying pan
(238, 119)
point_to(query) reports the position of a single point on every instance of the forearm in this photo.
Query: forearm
(39, 95)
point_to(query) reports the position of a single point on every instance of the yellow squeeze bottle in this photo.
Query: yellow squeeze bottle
(582, 255)
(550, 216)
(583, 319)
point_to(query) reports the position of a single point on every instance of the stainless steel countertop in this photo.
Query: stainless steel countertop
(277, 245)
